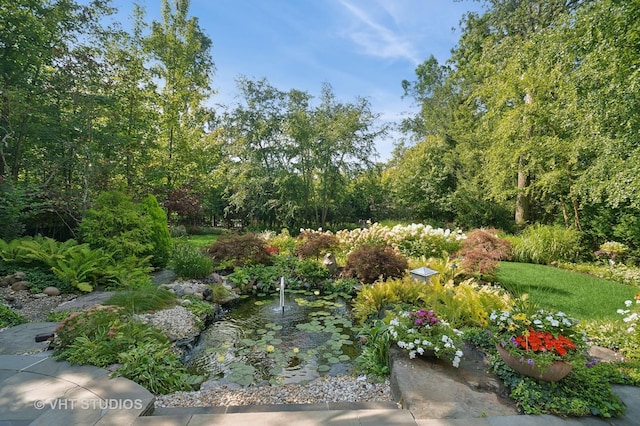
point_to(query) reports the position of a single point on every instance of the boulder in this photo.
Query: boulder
(20, 285)
(330, 263)
(9, 280)
(51, 291)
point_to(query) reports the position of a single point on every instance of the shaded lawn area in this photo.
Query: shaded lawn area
(579, 295)
(199, 240)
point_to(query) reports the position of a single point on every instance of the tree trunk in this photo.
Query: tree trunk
(523, 210)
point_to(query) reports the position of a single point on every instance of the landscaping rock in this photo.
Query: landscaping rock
(165, 276)
(177, 323)
(85, 302)
(20, 285)
(434, 389)
(51, 291)
(330, 263)
(13, 278)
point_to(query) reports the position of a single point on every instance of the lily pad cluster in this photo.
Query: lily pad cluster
(269, 352)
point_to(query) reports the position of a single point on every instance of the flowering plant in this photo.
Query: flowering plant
(631, 319)
(538, 338)
(422, 332)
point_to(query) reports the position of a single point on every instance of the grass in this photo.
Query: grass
(199, 241)
(578, 295)
(144, 299)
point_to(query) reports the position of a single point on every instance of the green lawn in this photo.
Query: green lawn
(199, 240)
(578, 295)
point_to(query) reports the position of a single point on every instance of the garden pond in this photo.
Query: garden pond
(259, 341)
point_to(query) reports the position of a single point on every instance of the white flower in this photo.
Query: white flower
(459, 353)
(421, 351)
(627, 303)
(456, 362)
(412, 354)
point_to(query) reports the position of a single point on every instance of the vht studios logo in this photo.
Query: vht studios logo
(88, 404)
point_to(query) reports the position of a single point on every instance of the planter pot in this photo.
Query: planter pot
(554, 372)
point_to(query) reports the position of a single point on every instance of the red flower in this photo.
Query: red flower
(543, 341)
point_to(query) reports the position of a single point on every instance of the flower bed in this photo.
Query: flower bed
(422, 332)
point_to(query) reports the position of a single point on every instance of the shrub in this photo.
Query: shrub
(545, 244)
(119, 226)
(309, 273)
(315, 244)
(144, 299)
(238, 250)
(283, 242)
(612, 250)
(160, 238)
(188, 262)
(372, 263)
(10, 318)
(482, 251)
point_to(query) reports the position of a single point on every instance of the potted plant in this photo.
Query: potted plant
(539, 343)
(421, 332)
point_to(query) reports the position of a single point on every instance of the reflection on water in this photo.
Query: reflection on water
(256, 341)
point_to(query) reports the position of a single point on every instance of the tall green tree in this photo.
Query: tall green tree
(180, 53)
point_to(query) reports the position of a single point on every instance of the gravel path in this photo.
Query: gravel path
(322, 390)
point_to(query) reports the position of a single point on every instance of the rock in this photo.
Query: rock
(163, 277)
(9, 298)
(188, 291)
(51, 291)
(457, 394)
(177, 323)
(605, 354)
(84, 302)
(215, 278)
(206, 294)
(20, 285)
(40, 296)
(9, 280)
(330, 263)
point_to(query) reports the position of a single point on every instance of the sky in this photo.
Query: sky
(362, 48)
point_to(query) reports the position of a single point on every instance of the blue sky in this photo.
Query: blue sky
(361, 47)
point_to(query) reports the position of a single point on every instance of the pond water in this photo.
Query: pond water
(258, 341)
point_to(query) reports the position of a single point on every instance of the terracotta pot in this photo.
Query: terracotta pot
(554, 372)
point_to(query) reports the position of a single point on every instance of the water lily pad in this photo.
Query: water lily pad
(344, 357)
(323, 368)
(333, 360)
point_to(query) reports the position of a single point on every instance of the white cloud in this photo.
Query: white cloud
(377, 39)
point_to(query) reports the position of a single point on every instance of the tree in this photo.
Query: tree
(422, 184)
(183, 64)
